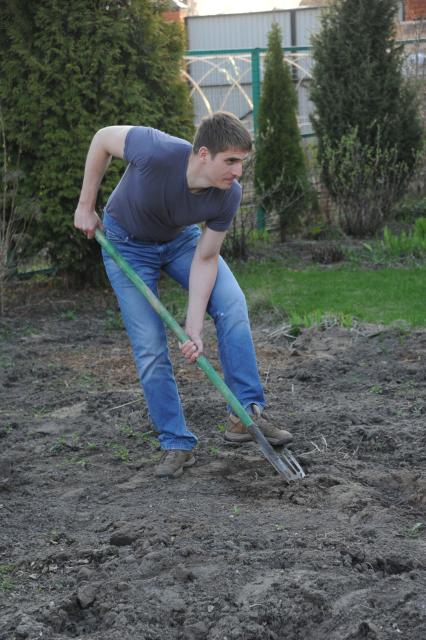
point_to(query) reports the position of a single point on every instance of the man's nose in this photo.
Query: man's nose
(238, 171)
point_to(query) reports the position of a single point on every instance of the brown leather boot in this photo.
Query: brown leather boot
(173, 462)
(236, 432)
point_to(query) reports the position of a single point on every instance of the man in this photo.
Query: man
(152, 219)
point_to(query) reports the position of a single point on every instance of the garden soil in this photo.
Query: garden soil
(92, 545)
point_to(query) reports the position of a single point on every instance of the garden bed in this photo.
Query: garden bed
(93, 546)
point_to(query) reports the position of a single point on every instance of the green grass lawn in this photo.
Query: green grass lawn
(305, 296)
(371, 295)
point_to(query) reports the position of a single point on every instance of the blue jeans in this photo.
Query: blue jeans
(227, 307)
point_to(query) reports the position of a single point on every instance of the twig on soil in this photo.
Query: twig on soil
(283, 330)
(267, 375)
(107, 391)
(316, 448)
(355, 451)
(375, 334)
(124, 405)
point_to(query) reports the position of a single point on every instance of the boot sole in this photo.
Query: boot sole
(178, 471)
(280, 443)
(237, 438)
(240, 439)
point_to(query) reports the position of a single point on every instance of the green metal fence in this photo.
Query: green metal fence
(231, 80)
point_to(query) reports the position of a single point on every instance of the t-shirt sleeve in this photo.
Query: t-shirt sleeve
(139, 145)
(229, 208)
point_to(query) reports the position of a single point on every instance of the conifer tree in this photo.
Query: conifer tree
(70, 69)
(366, 118)
(280, 171)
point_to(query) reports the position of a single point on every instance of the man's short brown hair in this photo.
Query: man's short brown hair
(221, 131)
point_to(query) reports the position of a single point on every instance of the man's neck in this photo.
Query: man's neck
(195, 179)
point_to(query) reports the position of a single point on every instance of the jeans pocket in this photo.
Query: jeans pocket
(114, 231)
(113, 236)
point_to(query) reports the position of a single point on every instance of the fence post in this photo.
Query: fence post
(255, 84)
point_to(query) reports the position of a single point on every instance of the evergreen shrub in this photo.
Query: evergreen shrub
(67, 70)
(280, 171)
(366, 113)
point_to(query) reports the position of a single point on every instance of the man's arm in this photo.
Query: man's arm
(201, 282)
(106, 143)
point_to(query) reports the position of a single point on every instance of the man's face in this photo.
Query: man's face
(225, 167)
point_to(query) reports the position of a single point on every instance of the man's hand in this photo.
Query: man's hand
(87, 221)
(192, 348)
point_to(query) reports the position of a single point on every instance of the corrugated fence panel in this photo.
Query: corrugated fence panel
(307, 23)
(250, 30)
(235, 31)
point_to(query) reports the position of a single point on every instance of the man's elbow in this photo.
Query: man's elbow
(207, 256)
(111, 140)
(100, 139)
(101, 133)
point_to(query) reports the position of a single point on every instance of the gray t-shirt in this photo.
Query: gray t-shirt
(152, 201)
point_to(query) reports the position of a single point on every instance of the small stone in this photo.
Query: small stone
(197, 631)
(123, 538)
(171, 600)
(110, 618)
(56, 620)
(85, 574)
(301, 543)
(23, 631)
(178, 605)
(367, 628)
(121, 621)
(183, 574)
(86, 595)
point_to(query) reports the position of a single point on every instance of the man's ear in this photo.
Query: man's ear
(203, 153)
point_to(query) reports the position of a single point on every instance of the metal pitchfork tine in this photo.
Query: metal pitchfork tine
(286, 464)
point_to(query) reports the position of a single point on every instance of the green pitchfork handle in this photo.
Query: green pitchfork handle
(203, 363)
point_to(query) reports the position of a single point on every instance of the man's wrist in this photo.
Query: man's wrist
(86, 205)
(193, 330)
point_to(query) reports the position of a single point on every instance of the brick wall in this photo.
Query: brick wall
(415, 9)
(174, 15)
